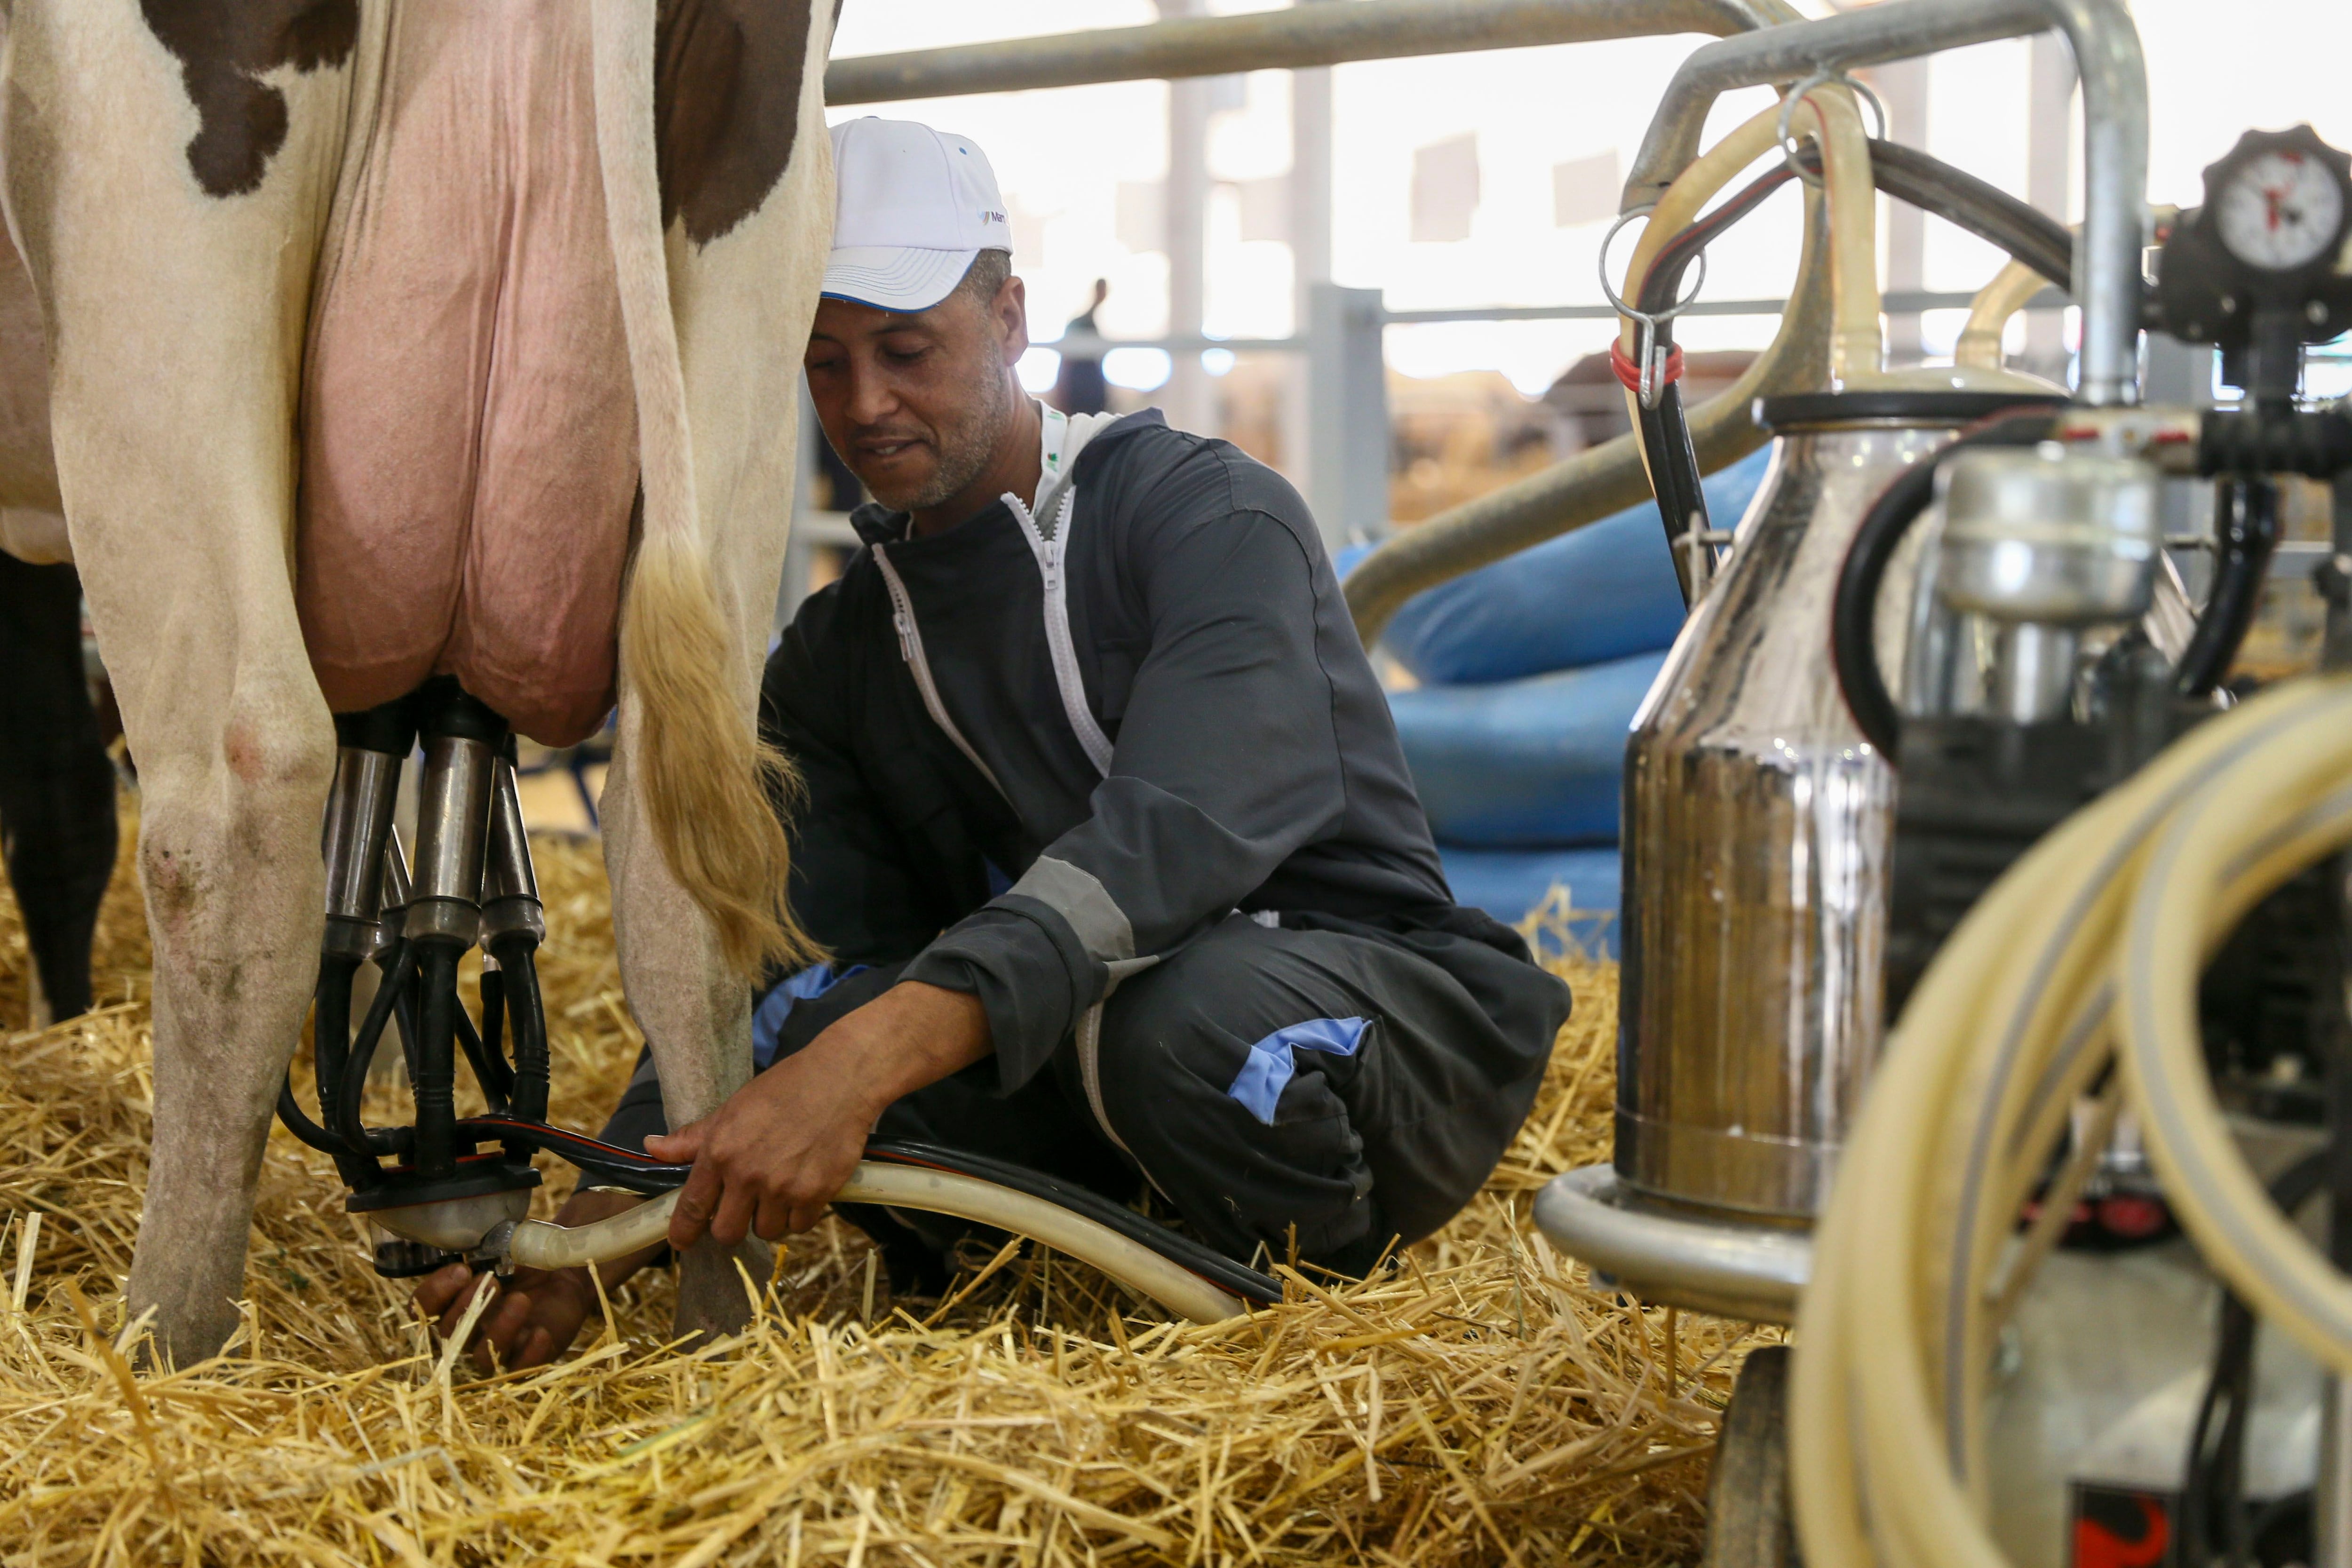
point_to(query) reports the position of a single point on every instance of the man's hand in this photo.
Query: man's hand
(768, 1160)
(538, 1312)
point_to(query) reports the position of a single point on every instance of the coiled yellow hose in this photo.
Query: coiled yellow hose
(2088, 950)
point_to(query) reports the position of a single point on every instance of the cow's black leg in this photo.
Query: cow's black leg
(56, 786)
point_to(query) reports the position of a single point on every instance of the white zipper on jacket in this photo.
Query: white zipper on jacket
(1057, 501)
(911, 648)
(1050, 548)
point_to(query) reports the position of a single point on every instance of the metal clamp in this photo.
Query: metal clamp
(1822, 78)
(1652, 361)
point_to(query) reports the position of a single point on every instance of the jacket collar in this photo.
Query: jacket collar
(878, 524)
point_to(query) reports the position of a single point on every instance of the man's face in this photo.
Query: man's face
(916, 402)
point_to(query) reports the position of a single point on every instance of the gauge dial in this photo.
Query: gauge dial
(2280, 210)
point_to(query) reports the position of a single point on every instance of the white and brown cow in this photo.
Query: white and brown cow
(395, 338)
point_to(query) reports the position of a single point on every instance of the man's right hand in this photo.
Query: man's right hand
(539, 1311)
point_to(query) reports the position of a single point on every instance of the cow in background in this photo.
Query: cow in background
(57, 784)
(395, 338)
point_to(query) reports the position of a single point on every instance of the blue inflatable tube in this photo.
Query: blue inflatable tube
(1508, 883)
(1600, 593)
(1524, 763)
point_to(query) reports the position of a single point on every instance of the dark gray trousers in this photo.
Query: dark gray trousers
(1255, 1120)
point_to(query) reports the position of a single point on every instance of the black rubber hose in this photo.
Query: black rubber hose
(1676, 481)
(436, 1084)
(2245, 529)
(1201, 1259)
(330, 1033)
(331, 1022)
(491, 1072)
(518, 960)
(404, 1022)
(641, 1172)
(298, 1121)
(344, 1113)
(1854, 647)
(1960, 198)
(1904, 172)
(1987, 211)
(2214, 1475)
(1665, 437)
(494, 1019)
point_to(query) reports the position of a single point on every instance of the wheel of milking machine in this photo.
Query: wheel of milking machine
(459, 1188)
(1748, 1521)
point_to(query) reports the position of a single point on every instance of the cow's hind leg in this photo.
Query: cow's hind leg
(742, 298)
(173, 243)
(56, 786)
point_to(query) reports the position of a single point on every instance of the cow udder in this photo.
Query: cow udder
(469, 430)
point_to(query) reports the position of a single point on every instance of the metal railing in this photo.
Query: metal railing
(1347, 471)
(1294, 39)
(1911, 302)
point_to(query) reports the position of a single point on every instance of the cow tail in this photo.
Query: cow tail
(713, 791)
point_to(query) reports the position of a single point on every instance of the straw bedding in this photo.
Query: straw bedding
(1480, 1405)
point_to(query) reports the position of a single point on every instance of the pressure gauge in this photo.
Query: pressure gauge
(2281, 209)
(2265, 266)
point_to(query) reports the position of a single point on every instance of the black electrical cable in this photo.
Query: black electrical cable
(2245, 531)
(1854, 647)
(641, 1172)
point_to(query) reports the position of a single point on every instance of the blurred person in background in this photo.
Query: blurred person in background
(1080, 388)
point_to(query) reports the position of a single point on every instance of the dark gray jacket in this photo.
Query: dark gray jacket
(1215, 739)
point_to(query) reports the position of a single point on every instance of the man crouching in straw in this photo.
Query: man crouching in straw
(1105, 825)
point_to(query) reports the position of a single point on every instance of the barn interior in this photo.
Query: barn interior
(1899, 684)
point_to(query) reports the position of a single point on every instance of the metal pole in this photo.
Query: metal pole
(1897, 30)
(1279, 40)
(2049, 179)
(1904, 86)
(1310, 247)
(2115, 110)
(2115, 193)
(1186, 209)
(1348, 415)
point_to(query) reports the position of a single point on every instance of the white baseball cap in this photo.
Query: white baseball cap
(914, 206)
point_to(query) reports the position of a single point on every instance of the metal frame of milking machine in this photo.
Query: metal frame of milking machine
(2085, 673)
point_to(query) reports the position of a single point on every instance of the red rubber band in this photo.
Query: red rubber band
(1629, 374)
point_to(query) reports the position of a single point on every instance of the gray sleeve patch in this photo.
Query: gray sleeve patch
(1075, 894)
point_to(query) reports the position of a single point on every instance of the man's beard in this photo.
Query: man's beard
(965, 451)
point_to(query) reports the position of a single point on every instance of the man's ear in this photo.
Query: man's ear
(1010, 310)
